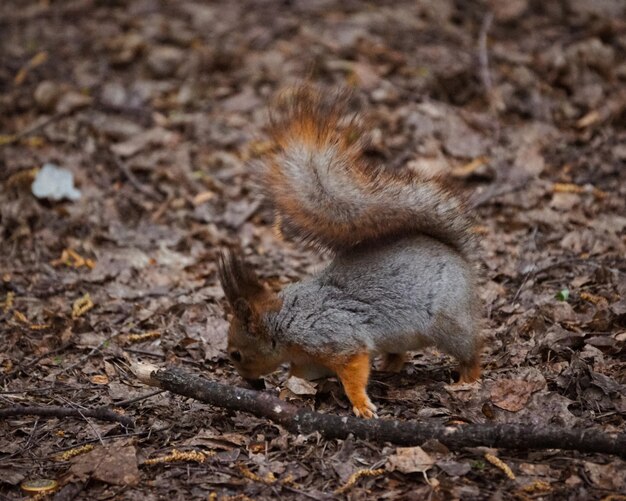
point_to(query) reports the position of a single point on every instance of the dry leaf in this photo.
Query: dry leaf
(112, 464)
(512, 394)
(300, 386)
(410, 460)
(611, 476)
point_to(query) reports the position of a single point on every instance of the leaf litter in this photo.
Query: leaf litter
(156, 109)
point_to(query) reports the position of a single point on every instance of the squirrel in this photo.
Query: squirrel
(402, 276)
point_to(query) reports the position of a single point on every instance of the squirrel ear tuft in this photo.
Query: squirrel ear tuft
(243, 311)
(238, 280)
(246, 294)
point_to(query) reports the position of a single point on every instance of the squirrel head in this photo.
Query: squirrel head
(251, 346)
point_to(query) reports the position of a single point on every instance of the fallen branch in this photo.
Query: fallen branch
(102, 413)
(303, 421)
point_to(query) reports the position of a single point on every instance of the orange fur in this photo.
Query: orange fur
(470, 370)
(394, 362)
(354, 371)
(309, 121)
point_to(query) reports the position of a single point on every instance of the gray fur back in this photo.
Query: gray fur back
(395, 297)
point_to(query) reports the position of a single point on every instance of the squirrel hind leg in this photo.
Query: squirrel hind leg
(469, 371)
(393, 362)
(459, 339)
(470, 368)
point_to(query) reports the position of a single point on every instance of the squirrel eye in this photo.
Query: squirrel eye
(236, 356)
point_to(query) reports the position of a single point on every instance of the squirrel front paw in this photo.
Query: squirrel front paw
(365, 409)
(353, 371)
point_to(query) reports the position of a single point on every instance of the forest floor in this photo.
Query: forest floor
(158, 108)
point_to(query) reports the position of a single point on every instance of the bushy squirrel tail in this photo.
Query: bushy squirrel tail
(328, 195)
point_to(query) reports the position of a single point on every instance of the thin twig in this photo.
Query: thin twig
(140, 434)
(132, 179)
(30, 436)
(126, 403)
(34, 128)
(496, 190)
(90, 424)
(492, 94)
(23, 367)
(102, 413)
(42, 9)
(483, 55)
(528, 273)
(57, 388)
(93, 351)
(145, 353)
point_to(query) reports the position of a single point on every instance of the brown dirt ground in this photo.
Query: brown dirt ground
(158, 107)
